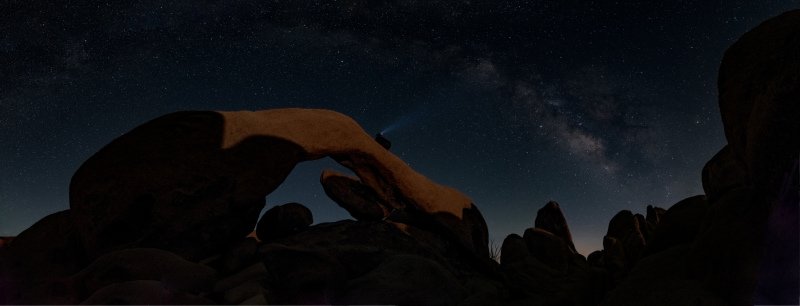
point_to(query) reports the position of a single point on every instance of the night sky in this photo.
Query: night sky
(599, 105)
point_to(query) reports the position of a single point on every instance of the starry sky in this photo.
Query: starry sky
(599, 105)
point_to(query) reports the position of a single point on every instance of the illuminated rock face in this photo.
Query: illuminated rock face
(189, 181)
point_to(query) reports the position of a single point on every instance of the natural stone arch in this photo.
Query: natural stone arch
(189, 181)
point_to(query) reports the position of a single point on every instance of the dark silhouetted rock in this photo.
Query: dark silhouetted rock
(303, 276)
(173, 183)
(660, 280)
(313, 266)
(405, 280)
(4, 241)
(383, 141)
(722, 173)
(654, 215)
(244, 292)
(548, 248)
(531, 280)
(49, 248)
(614, 256)
(171, 270)
(259, 299)
(680, 224)
(244, 285)
(651, 222)
(624, 228)
(40, 260)
(514, 249)
(595, 259)
(283, 220)
(239, 256)
(725, 254)
(758, 93)
(622, 225)
(642, 223)
(255, 272)
(143, 292)
(358, 199)
(551, 219)
(483, 291)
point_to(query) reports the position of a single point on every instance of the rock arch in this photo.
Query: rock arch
(189, 181)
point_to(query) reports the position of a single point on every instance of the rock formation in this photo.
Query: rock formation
(551, 219)
(758, 92)
(358, 199)
(283, 220)
(713, 244)
(165, 214)
(179, 194)
(190, 181)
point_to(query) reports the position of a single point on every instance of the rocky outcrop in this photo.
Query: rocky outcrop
(50, 249)
(551, 219)
(171, 270)
(341, 262)
(168, 205)
(358, 199)
(543, 268)
(625, 235)
(680, 224)
(405, 280)
(548, 248)
(283, 220)
(724, 172)
(706, 249)
(5, 241)
(758, 89)
(143, 292)
(191, 182)
(514, 249)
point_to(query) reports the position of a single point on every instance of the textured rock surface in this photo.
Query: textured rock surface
(283, 220)
(358, 199)
(314, 266)
(405, 280)
(171, 270)
(143, 292)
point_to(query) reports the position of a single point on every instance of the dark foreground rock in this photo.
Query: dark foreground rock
(284, 220)
(706, 251)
